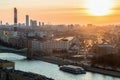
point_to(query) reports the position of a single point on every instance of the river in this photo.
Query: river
(50, 70)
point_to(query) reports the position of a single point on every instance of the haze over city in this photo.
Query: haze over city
(63, 11)
(59, 40)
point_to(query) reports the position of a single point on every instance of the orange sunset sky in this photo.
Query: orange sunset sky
(62, 11)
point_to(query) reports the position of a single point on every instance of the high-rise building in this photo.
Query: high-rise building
(39, 23)
(43, 23)
(27, 20)
(33, 23)
(0, 22)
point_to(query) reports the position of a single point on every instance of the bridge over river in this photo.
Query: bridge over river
(22, 52)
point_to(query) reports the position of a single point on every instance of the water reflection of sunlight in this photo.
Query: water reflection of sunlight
(50, 70)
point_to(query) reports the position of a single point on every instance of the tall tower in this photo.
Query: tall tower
(15, 17)
(39, 24)
(0, 22)
(43, 23)
(27, 20)
(15, 23)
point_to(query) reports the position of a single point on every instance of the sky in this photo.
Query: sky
(57, 11)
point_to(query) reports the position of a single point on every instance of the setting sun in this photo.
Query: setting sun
(99, 7)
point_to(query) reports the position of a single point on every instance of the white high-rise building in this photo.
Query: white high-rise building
(27, 20)
(33, 23)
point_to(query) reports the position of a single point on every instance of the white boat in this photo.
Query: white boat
(72, 69)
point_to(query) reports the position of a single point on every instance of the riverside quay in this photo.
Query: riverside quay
(8, 72)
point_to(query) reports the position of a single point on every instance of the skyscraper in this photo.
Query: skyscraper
(27, 20)
(0, 22)
(33, 23)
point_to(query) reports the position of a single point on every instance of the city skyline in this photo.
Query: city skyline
(55, 12)
(59, 40)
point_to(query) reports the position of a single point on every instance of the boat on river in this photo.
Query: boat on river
(73, 69)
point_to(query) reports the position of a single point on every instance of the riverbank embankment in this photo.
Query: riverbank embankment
(60, 61)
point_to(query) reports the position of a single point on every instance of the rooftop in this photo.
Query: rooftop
(64, 38)
(105, 45)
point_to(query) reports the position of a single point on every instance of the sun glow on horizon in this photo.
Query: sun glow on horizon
(99, 7)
